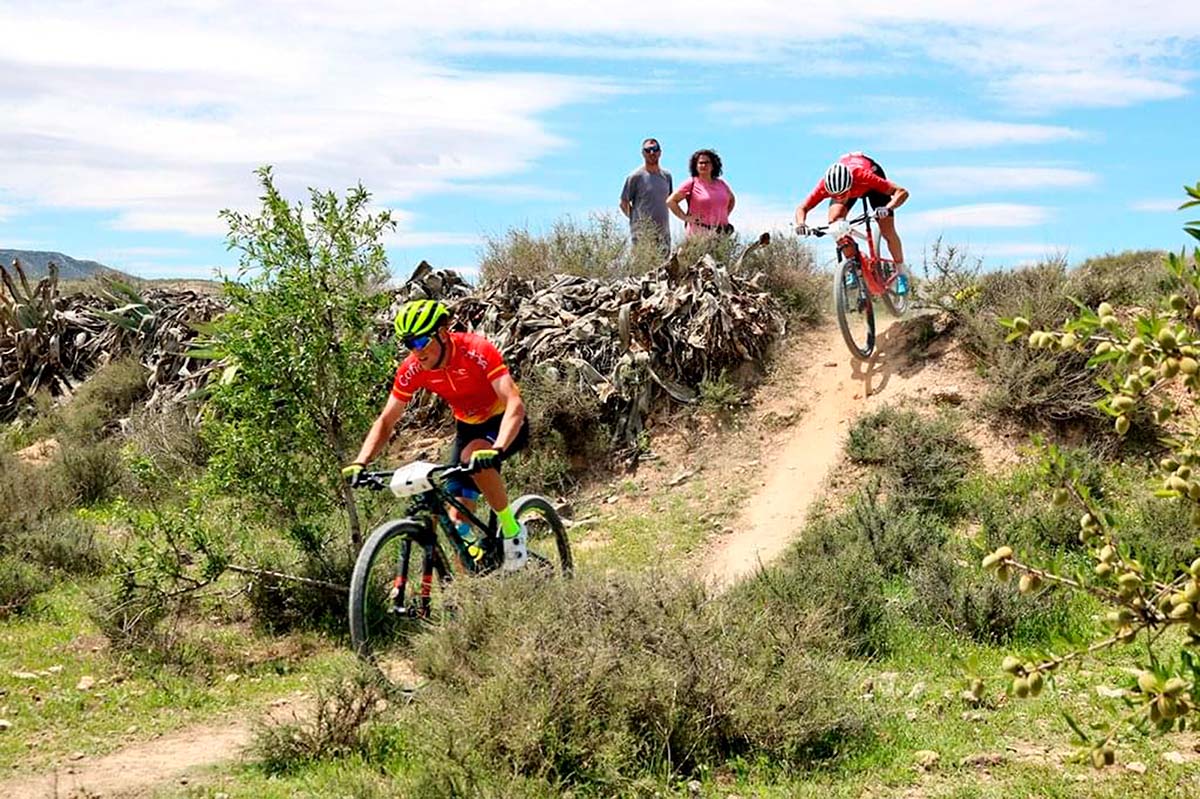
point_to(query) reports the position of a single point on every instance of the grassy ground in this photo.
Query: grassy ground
(44, 655)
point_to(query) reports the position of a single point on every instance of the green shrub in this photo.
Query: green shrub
(1133, 277)
(92, 472)
(20, 582)
(170, 440)
(923, 459)
(27, 494)
(278, 605)
(339, 725)
(62, 543)
(599, 249)
(602, 680)
(107, 395)
(953, 592)
(833, 571)
(790, 274)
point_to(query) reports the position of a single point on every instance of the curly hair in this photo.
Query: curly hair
(712, 156)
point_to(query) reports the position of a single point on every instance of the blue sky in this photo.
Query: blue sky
(1022, 129)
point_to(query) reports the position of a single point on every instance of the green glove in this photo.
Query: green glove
(485, 459)
(350, 473)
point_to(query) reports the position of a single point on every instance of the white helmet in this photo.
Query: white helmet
(838, 178)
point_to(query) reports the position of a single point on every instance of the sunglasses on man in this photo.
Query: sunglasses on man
(652, 149)
(416, 343)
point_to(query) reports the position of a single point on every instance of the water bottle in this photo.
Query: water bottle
(901, 284)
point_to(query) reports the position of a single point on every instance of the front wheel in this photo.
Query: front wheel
(547, 535)
(385, 573)
(855, 315)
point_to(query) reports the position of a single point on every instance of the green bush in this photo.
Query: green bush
(92, 472)
(1032, 386)
(63, 543)
(953, 592)
(790, 274)
(20, 582)
(599, 681)
(27, 494)
(1133, 277)
(107, 395)
(340, 725)
(278, 605)
(832, 571)
(599, 249)
(170, 440)
(923, 459)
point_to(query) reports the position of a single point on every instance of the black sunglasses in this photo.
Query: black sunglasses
(653, 149)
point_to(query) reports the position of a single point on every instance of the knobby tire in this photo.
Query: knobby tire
(855, 314)
(362, 587)
(548, 544)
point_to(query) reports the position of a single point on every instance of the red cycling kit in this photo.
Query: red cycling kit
(465, 381)
(869, 180)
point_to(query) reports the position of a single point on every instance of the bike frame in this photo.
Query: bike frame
(429, 510)
(872, 267)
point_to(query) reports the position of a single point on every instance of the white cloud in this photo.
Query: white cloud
(158, 111)
(947, 134)
(1155, 206)
(981, 215)
(1040, 91)
(983, 179)
(746, 114)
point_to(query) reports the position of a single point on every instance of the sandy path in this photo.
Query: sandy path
(834, 389)
(139, 769)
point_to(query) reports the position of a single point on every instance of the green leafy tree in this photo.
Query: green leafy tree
(305, 369)
(1149, 366)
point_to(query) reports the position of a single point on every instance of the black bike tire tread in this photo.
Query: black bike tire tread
(380, 536)
(561, 541)
(839, 302)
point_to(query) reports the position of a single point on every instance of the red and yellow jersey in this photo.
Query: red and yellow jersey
(865, 181)
(464, 381)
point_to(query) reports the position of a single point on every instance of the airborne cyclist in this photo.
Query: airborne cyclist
(468, 372)
(852, 176)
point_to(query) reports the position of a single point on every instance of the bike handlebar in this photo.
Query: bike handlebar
(380, 479)
(821, 230)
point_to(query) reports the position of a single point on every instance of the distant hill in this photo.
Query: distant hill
(36, 264)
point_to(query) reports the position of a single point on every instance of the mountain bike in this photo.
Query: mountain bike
(859, 278)
(380, 608)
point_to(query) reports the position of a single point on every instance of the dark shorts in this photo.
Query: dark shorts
(465, 433)
(877, 199)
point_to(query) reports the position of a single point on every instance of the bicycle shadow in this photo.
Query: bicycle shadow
(892, 355)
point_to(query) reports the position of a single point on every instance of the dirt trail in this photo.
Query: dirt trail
(139, 769)
(832, 389)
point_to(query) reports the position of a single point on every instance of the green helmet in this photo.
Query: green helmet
(419, 317)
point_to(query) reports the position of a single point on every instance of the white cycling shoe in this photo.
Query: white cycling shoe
(516, 551)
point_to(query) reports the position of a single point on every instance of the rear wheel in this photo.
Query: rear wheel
(392, 584)
(855, 316)
(547, 542)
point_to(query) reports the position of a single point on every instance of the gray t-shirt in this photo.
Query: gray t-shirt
(647, 194)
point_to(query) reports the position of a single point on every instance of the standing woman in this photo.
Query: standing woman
(710, 200)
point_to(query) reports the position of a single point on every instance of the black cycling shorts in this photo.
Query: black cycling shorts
(877, 199)
(465, 433)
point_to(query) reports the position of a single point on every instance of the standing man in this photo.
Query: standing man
(644, 197)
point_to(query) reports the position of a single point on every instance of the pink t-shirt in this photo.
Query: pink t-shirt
(709, 201)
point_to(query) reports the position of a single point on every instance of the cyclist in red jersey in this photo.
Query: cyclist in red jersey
(857, 175)
(468, 372)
